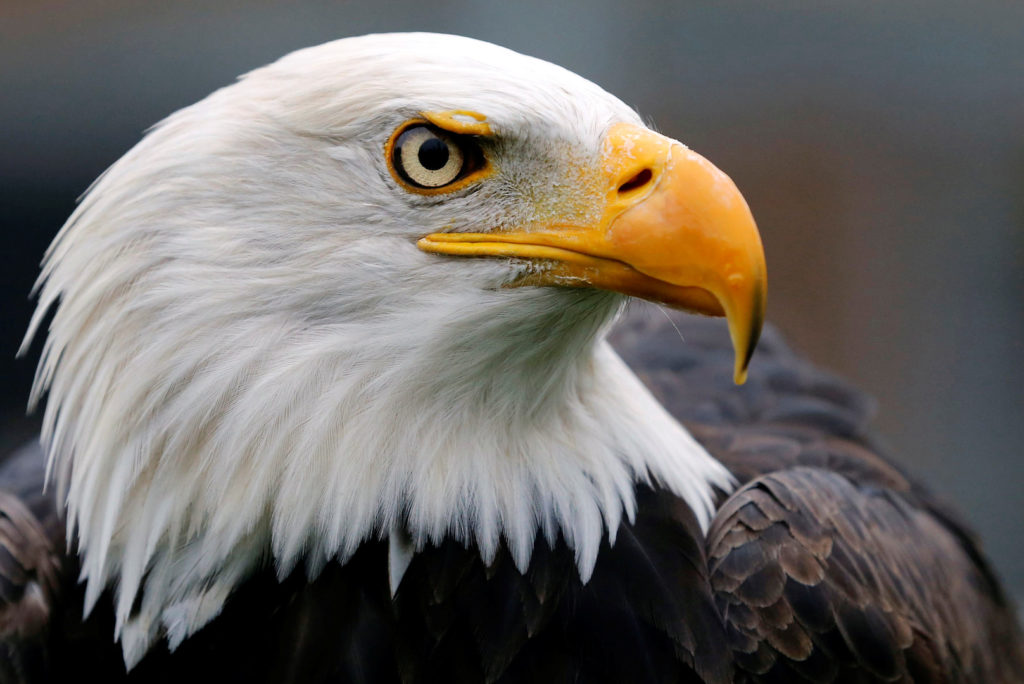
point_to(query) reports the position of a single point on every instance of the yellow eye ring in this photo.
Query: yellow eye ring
(429, 160)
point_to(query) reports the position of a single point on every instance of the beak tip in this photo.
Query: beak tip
(745, 343)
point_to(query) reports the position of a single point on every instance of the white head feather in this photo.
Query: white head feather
(251, 358)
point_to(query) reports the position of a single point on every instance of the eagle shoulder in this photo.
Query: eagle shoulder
(828, 562)
(822, 576)
(30, 536)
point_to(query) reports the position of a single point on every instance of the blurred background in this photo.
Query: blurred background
(880, 146)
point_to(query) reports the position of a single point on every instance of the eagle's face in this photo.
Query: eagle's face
(365, 289)
(326, 176)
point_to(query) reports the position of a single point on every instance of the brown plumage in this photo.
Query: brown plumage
(827, 564)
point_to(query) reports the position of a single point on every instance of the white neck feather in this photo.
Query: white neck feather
(308, 442)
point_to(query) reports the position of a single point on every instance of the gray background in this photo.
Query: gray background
(880, 145)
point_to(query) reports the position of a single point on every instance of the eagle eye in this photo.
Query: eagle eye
(425, 157)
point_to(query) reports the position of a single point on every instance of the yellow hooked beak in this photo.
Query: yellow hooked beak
(674, 230)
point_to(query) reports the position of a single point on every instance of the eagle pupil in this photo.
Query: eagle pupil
(433, 154)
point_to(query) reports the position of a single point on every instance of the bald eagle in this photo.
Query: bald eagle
(332, 399)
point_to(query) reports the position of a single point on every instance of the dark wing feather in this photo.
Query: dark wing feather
(30, 534)
(808, 566)
(828, 563)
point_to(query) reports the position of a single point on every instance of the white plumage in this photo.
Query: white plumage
(250, 352)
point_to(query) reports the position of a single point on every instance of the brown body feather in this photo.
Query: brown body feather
(827, 564)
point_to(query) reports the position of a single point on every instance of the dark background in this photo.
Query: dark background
(880, 145)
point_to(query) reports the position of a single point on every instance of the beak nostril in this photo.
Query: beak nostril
(639, 180)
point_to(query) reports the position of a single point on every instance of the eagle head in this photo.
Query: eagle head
(362, 293)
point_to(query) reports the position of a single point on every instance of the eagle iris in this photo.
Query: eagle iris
(427, 157)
